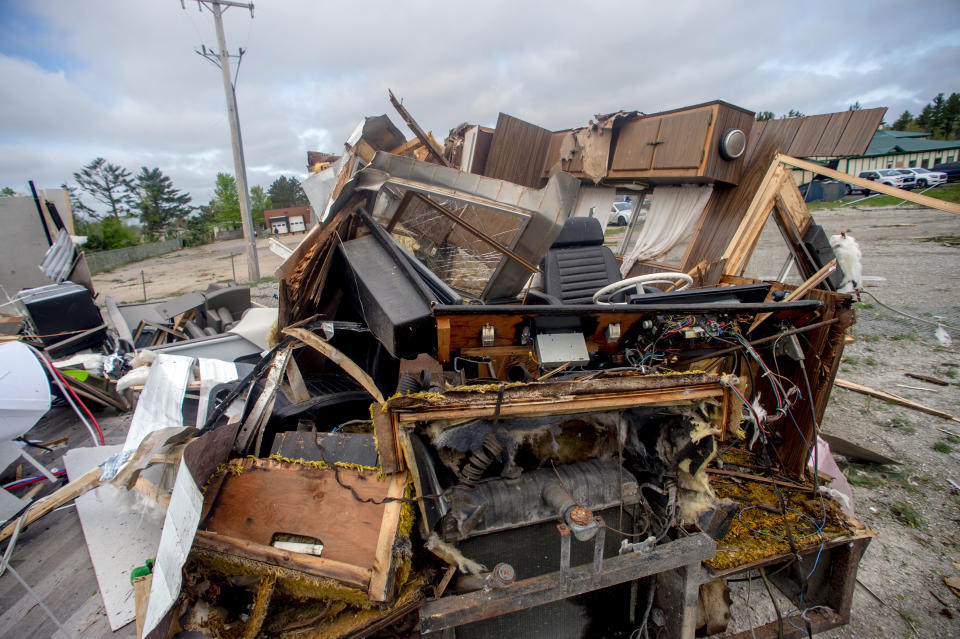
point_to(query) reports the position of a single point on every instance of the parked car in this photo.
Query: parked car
(926, 177)
(952, 169)
(890, 177)
(620, 213)
(826, 189)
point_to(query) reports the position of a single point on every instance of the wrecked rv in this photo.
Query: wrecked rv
(477, 413)
(477, 418)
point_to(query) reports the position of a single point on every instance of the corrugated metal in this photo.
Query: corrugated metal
(59, 258)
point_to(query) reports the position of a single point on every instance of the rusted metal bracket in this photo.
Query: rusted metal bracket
(686, 554)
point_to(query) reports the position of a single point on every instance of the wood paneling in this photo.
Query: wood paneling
(831, 133)
(681, 140)
(728, 117)
(633, 150)
(859, 132)
(518, 151)
(808, 135)
(270, 497)
(725, 211)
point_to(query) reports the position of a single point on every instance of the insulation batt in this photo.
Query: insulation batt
(848, 254)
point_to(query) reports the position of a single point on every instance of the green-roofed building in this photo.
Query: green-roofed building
(893, 149)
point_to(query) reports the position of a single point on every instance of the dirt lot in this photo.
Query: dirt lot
(912, 506)
(194, 269)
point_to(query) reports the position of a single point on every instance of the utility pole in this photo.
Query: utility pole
(222, 59)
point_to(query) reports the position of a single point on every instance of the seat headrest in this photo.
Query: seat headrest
(580, 231)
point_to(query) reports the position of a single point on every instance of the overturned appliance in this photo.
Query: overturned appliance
(471, 424)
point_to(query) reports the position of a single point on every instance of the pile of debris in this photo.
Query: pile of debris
(470, 416)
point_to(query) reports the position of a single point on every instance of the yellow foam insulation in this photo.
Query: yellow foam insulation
(292, 582)
(741, 545)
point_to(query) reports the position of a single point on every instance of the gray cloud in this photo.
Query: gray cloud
(121, 80)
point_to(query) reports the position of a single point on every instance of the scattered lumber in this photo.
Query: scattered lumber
(854, 451)
(927, 378)
(422, 135)
(890, 397)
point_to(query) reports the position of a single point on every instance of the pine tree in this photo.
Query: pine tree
(160, 204)
(108, 184)
(286, 192)
(901, 123)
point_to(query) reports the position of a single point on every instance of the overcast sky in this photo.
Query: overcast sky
(120, 79)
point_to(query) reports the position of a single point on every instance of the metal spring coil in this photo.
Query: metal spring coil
(473, 470)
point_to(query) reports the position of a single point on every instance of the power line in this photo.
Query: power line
(221, 58)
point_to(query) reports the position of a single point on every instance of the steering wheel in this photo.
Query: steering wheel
(610, 290)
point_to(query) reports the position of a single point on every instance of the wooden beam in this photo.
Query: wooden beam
(801, 290)
(896, 399)
(337, 357)
(381, 581)
(557, 405)
(342, 572)
(298, 389)
(417, 130)
(916, 198)
(86, 482)
(388, 446)
(753, 220)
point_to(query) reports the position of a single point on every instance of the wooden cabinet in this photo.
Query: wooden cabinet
(679, 146)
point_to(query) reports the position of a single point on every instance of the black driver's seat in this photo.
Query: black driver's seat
(578, 264)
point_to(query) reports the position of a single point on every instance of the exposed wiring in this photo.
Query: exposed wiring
(71, 397)
(913, 317)
(20, 483)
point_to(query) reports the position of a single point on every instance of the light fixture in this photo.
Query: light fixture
(732, 144)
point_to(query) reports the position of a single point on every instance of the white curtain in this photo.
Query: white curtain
(671, 218)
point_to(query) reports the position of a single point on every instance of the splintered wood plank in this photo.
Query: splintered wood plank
(346, 573)
(333, 354)
(388, 447)
(916, 198)
(270, 497)
(896, 399)
(381, 581)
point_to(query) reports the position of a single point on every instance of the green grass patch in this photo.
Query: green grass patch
(943, 447)
(952, 373)
(863, 305)
(907, 515)
(953, 439)
(870, 361)
(947, 192)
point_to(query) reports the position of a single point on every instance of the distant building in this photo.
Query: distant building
(894, 149)
(294, 219)
(891, 149)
